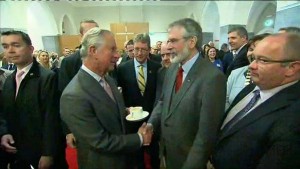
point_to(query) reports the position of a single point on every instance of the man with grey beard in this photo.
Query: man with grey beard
(189, 112)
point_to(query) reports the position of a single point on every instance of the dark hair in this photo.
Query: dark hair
(23, 35)
(257, 38)
(241, 31)
(290, 29)
(210, 49)
(224, 46)
(130, 42)
(192, 28)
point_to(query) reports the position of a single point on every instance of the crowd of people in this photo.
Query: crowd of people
(233, 108)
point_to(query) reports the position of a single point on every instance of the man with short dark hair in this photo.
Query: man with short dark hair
(261, 127)
(29, 121)
(237, 39)
(129, 51)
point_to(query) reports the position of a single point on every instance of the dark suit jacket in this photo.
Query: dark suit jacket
(6, 67)
(32, 118)
(189, 119)
(68, 69)
(131, 92)
(159, 83)
(155, 58)
(97, 122)
(227, 60)
(240, 60)
(268, 137)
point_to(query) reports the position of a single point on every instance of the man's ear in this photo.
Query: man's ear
(193, 41)
(92, 50)
(293, 68)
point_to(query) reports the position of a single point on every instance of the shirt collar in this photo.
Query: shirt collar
(137, 64)
(266, 94)
(237, 52)
(94, 75)
(188, 65)
(25, 69)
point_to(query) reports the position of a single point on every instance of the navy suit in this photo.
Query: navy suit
(238, 61)
(268, 137)
(132, 96)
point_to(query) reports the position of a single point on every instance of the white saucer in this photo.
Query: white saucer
(144, 115)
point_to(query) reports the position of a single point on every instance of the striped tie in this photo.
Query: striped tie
(141, 79)
(248, 77)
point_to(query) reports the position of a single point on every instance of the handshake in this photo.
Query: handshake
(146, 131)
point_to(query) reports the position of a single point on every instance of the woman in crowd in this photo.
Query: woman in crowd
(211, 54)
(44, 59)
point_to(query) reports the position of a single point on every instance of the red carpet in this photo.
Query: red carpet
(71, 157)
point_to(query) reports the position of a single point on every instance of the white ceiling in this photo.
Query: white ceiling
(91, 3)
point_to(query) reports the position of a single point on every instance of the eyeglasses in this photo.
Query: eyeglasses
(137, 50)
(175, 41)
(262, 60)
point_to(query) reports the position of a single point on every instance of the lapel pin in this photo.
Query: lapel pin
(31, 74)
(150, 71)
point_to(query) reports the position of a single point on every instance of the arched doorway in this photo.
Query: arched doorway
(210, 23)
(261, 17)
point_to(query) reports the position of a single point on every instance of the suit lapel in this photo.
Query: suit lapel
(281, 99)
(191, 76)
(119, 101)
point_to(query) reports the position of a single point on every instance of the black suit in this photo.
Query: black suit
(128, 81)
(238, 61)
(33, 118)
(68, 69)
(268, 137)
(132, 96)
(159, 82)
(6, 66)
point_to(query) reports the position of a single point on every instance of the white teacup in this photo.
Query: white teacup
(136, 112)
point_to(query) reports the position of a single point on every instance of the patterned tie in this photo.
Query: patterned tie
(242, 113)
(107, 88)
(141, 79)
(18, 81)
(179, 77)
(248, 77)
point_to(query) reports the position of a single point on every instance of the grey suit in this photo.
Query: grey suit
(97, 123)
(190, 119)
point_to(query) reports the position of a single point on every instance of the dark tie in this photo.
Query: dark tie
(10, 66)
(242, 113)
(179, 79)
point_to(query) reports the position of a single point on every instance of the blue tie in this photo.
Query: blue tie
(241, 113)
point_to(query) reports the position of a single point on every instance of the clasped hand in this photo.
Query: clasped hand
(146, 131)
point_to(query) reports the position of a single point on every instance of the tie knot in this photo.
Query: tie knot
(180, 69)
(256, 93)
(19, 74)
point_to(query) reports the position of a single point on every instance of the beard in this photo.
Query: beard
(180, 57)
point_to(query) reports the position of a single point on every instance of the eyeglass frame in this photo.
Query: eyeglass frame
(142, 50)
(173, 41)
(261, 60)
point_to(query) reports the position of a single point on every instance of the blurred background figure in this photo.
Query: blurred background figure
(212, 54)
(44, 59)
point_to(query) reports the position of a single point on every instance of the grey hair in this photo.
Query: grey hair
(241, 31)
(144, 38)
(192, 28)
(93, 37)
